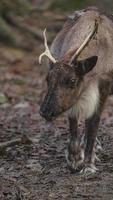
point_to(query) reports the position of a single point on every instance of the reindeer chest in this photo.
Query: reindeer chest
(87, 103)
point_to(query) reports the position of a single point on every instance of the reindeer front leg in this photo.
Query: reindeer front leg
(91, 142)
(74, 153)
(91, 131)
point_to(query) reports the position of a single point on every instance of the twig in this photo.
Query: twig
(24, 140)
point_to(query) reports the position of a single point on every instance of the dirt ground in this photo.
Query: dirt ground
(38, 171)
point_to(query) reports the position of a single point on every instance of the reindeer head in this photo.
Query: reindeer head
(65, 78)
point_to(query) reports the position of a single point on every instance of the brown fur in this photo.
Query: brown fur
(84, 85)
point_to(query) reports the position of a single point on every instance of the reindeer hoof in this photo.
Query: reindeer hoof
(74, 165)
(88, 170)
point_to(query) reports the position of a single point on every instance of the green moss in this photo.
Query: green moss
(69, 5)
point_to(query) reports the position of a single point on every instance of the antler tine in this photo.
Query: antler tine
(86, 41)
(47, 51)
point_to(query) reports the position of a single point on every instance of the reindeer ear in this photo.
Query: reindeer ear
(84, 66)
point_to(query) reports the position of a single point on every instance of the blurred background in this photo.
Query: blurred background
(21, 40)
(29, 170)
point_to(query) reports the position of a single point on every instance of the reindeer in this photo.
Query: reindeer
(79, 81)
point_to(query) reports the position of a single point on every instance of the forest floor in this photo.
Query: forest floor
(38, 170)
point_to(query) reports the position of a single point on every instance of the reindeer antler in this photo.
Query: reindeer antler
(47, 51)
(86, 41)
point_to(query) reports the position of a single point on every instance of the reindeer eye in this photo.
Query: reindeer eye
(73, 81)
(70, 83)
